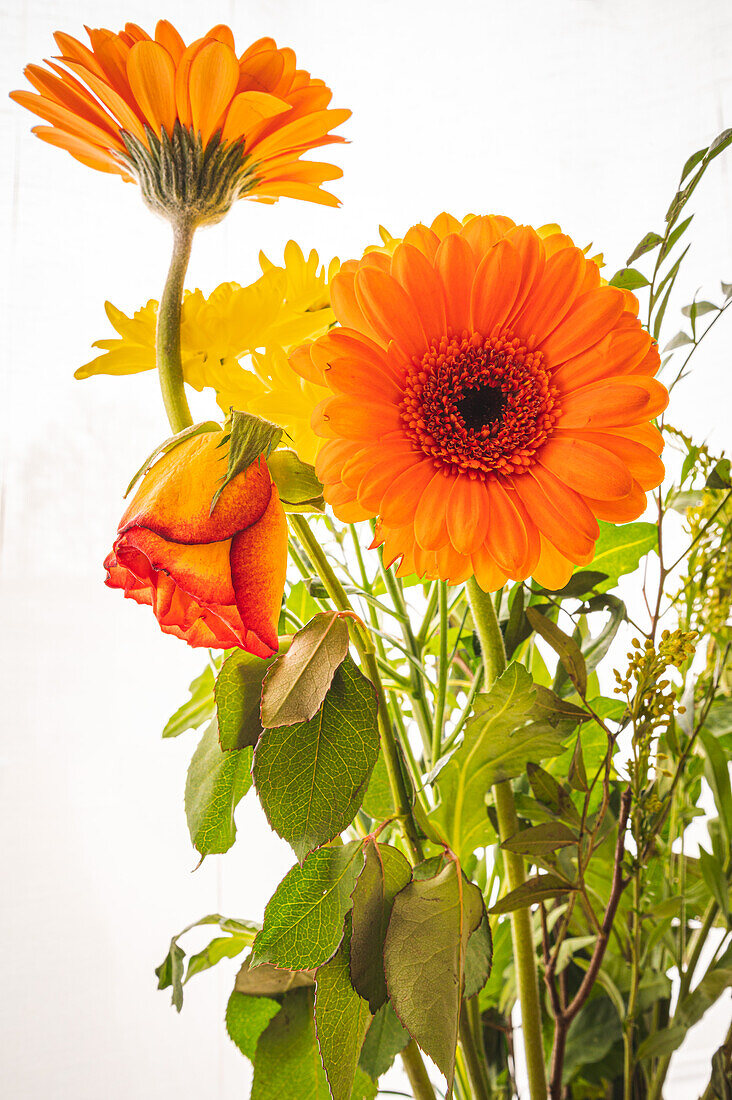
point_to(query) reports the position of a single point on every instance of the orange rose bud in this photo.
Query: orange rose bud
(217, 579)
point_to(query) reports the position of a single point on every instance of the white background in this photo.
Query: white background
(570, 111)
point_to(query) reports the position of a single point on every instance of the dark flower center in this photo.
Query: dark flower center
(479, 405)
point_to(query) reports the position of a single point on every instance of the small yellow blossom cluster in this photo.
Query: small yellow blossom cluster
(708, 584)
(652, 698)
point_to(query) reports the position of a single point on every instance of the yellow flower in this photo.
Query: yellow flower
(285, 306)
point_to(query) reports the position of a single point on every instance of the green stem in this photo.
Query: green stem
(364, 647)
(421, 709)
(416, 1072)
(629, 1023)
(474, 1059)
(442, 671)
(167, 338)
(494, 662)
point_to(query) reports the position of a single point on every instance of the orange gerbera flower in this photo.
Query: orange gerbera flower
(196, 126)
(490, 400)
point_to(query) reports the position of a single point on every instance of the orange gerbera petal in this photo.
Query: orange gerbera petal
(468, 514)
(153, 86)
(514, 389)
(151, 73)
(586, 467)
(430, 518)
(212, 81)
(456, 264)
(495, 287)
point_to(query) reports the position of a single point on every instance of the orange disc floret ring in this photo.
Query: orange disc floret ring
(489, 398)
(214, 578)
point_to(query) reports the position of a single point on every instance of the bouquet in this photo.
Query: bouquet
(463, 587)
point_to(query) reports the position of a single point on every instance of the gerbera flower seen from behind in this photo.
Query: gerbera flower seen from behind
(488, 399)
(196, 126)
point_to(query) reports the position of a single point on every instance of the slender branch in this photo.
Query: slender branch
(474, 1061)
(494, 663)
(167, 337)
(565, 1016)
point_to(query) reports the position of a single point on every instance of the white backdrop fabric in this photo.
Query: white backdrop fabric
(578, 111)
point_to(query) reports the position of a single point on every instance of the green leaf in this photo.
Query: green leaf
(197, 710)
(301, 603)
(592, 1035)
(238, 694)
(698, 309)
(424, 957)
(378, 802)
(719, 144)
(647, 244)
(550, 706)
(478, 959)
(674, 237)
(534, 890)
(595, 648)
(680, 340)
(170, 972)
(619, 550)
(170, 445)
(249, 437)
(341, 1021)
(297, 683)
(222, 947)
(692, 162)
(271, 981)
(719, 478)
(628, 278)
(215, 785)
(661, 1043)
(540, 839)
(716, 880)
(246, 1019)
(385, 1039)
(297, 485)
(311, 777)
(566, 648)
(287, 1065)
(303, 921)
(497, 745)
(385, 872)
(716, 770)
(551, 794)
(577, 776)
(578, 585)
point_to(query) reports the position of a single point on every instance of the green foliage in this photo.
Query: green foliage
(303, 922)
(216, 783)
(170, 972)
(385, 872)
(248, 438)
(238, 696)
(311, 776)
(619, 550)
(341, 1021)
(298, 682)
(246, 1019)
(424, 957)
(197, 710)
(499, 742)
(298, 487)
(385, 1038)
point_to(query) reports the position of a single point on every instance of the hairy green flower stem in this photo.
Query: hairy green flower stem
(494, 662)
(167, 337)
